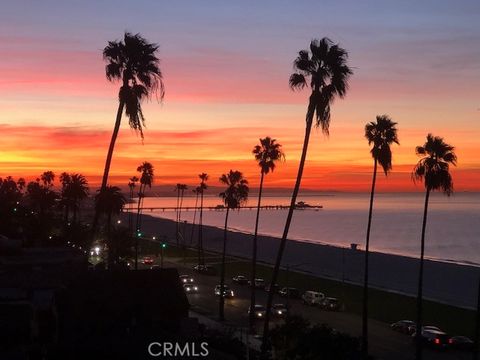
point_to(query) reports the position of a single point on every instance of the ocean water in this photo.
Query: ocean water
(453, 227)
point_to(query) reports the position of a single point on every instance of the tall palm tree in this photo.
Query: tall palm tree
(132, 183)
(146, 179)
(266, 154)
(202, 187)
(433, 169)
(134, 62)
(182, 189)
(109, 202)
(381, 134)
(77, 190)
(325, 69)
(65, 202)
(196, 191)
(233, 197)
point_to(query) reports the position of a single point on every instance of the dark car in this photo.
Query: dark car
(227, 293)
(240, 280)
(434, 338)
(290, 292)
(402, 326)
(186, 279)
(461, 343)
(330, 303)
(279, 310)
(275, 287)
(147, 260)
(205, 269)
(190, 288)
(259, 311)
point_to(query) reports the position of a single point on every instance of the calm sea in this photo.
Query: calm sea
(453, 228)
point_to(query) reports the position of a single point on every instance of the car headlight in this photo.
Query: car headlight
(195, 288)
(280, 312)
(188, 289)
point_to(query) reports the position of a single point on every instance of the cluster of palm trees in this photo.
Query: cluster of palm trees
(324, 70)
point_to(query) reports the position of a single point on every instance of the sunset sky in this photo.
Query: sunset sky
(226, 66)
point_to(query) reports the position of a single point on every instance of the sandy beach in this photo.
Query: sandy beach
(444, 282)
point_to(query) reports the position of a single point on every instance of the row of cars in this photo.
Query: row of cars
(312, 298)
(433, 336)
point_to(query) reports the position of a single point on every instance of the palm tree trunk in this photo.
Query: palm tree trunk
(221, 303)
(309, 121)
(251, 317)
(177, 226)
(418, 348)
(108, 161)
(365, 276)
(137, 226)
(193, 222)
(130, 215)
(201, 257)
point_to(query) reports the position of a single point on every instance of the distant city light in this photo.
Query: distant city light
(97, 250)
(154, 238)
(119, 221)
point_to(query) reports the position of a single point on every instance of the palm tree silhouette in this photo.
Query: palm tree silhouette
(326, 67)
(146, 179)
(109, 202)
(77, 190)
(381, 134)
(183, 187)
(132, 183)
(65, 201)
(233, 197)
(433, 170)
(134, 62)
(202, 187)
(266, 154)
(180, 189)
(196, 191)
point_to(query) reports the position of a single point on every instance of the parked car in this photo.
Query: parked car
(190, 288)
(330, 303)
(259, 283)
(402, 326)
(313, 298)
(226, 291)
(275, 287)
(240, 280)
(279, 310)
(205, 269)
(259, 311)
(461, 343)
(147, 260)
(290, 292)
(412, 329)
(434, 338)
(186, 279)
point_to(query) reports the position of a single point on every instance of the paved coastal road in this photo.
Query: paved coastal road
(384, 343)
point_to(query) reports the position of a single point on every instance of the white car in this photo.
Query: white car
(313, 298)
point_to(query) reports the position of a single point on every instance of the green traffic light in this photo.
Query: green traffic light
(164, 245)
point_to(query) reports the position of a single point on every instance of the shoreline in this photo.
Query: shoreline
(446, 282)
